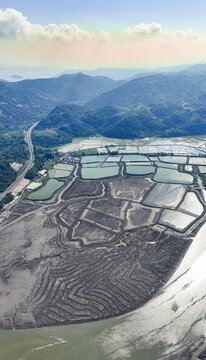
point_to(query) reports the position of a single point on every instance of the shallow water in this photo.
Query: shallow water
(191, 204)
(165, 195)
(166, 165)
(109, 164)
(60, 166)
(95, 164)
(176, 219)
(62, 173)
(140, 170)
(174, 159)
(75, 342)
(135, 158)
(99, 173)
(92, 158)
(172, 176)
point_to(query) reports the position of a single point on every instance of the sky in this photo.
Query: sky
(102, 33)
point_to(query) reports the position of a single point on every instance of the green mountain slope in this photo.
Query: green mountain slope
(18, 109)
(154, 89)
(62, 124)
(26, 101)
(159, 119)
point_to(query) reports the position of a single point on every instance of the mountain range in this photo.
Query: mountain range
(23, 102)
(153, 105)
(165, 104)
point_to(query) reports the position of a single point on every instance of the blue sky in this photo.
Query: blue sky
(173, 14)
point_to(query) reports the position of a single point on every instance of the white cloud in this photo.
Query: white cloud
(188, 34)
(69, 45)
(144, 29)
(154, 29)
(63, 32)
(14, 24)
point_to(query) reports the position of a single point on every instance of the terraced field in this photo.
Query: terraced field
(94, 251)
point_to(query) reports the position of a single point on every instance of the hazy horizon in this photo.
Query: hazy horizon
(117, 73)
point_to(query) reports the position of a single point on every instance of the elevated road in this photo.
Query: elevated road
(26, 167)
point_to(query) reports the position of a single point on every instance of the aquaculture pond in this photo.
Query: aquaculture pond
(140, 170)
(109, 164)
(166, 165)
(114, 158)
(176, 219)
(202, 169)
(58, 173)
(172, 176)
(197, 161)
(92, 158)
(191, 204)
(60, 166)
(135, 158)
(96, 164)
(46, 191)
(99, 173)
(60, 170)
(174, 159)
(165, 195)
(145, 163)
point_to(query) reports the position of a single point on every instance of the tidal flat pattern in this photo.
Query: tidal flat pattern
(84, 255)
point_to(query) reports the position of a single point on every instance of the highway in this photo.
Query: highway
(26, 167)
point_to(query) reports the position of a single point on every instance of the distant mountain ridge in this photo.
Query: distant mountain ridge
(153, 88)
(23, 102)
(68, 88)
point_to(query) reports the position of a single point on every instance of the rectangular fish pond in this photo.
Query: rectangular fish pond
(174, 159)
(166, 165)
(46, 191)
(99, 173)
(176, 219)
(140, 170)
(88, 165)
(60, 171)
(110, 164)
(172, 176)
(65, 167)
(135, 158)
(92, 158)
(165, 195)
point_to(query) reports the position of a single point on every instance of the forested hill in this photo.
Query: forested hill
(23, 102)
(173, 118)
(154, 89)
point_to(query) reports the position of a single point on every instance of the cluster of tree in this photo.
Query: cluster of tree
(7, 175)
(15, 152)
(7, 199)
(41, 157)
(85, 152)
